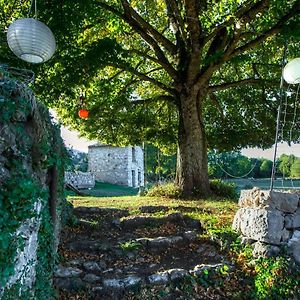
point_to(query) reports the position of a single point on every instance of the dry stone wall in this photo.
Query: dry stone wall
(269, 220)
(80, 180)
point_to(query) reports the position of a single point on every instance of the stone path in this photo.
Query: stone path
(109, 251)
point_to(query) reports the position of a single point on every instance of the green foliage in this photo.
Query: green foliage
(234, 164)
(159, 166)
(284, 163)
(224, 189)
(47, 258)
(225, 237)
(130, 246)
(295, 168)
(168, 190)
(266, 168)
(276, 278)
(139, 61)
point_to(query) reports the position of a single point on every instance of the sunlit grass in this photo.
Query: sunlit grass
(211, 212)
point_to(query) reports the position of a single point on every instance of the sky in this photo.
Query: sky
(73, 140)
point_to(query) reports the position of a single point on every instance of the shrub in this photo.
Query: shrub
(276, 278)
(224, 189)
(169, 190)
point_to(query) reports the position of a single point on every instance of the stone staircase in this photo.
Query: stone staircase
(110, 251)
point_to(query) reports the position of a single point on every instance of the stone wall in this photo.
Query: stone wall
(31, 193)
(117, 165)
(80, 180)
(269, 220)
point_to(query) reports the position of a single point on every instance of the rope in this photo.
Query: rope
(233, 176)
(295, 113)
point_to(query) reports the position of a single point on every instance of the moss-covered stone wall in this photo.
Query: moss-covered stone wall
(32, 201)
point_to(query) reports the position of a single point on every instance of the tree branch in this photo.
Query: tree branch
(273, 30)
(154, 99)
(167, 67)
(142, 76)
(246, 10)
(127, 17)
(192, 8)
(217, 104)
(175, 18)
(228, 85)
(167, 44)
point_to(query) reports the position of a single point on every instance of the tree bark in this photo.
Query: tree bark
(192, 169)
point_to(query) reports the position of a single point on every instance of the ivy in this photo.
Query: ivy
(29, 146)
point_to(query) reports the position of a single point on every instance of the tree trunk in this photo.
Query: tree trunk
(192, 169)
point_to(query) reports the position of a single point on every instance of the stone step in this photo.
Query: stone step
(156, 244)
(133, 222)
(116, 212)
(74, 279)
(162, 243)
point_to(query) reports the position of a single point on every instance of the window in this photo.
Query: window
(139, 178)
(133, 154)
(133, 177)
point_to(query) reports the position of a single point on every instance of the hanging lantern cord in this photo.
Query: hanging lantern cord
(278, 118)
(35, 9)
(33, 2)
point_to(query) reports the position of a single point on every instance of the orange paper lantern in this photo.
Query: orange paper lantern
(83, 113)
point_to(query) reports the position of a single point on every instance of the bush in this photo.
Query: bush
(169, 190)
(223, 189)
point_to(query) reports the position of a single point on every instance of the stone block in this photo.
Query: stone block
(283, 201)
(200, 269)
(92, 266)
(294, 246)
(122, 283)
(67, 272)
(292, 221)
(91, 278)
(176, 274)
(159, 278)
(264, 225)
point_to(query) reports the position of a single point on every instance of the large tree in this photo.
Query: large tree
(191, 73)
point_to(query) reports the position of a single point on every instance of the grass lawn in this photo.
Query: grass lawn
(217, 213)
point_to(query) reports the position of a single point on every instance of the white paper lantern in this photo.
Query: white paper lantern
(291, 72)
(31, 40)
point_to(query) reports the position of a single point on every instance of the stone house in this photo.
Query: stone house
(117, 165)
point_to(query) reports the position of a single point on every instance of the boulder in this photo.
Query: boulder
(264, 225)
